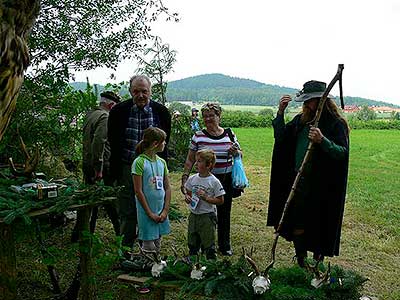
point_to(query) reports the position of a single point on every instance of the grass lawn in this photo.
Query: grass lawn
(371, 229)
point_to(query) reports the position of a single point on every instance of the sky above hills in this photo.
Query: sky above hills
(284, 42)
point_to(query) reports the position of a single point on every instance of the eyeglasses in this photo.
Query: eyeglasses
(209, 116)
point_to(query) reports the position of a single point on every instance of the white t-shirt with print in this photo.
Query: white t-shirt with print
(213, 188)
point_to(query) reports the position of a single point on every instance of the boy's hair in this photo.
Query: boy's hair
(208, 156)
(150, 135)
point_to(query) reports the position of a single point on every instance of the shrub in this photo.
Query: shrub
(374, 124)
(180, 107)
(245, 119)
(266, 112)
(365, 114)
(181, 134)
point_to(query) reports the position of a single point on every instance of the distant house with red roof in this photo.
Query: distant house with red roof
(351, 108)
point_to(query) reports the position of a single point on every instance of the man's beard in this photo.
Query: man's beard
(307, 115)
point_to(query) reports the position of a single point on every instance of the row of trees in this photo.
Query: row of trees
(367, 114)
(232, 90)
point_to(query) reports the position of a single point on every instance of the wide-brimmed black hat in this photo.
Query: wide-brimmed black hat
(311, 89)
(111, 96)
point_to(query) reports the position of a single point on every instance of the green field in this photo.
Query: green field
(251, 108)
(371, 231)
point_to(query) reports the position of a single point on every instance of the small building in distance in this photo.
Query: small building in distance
(384, 109)
(351, 108)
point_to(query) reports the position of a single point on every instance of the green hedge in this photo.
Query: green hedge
(374, 124)
(245, 119)
(250, 119)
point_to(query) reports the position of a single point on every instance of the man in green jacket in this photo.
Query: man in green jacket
(96, 152)
(314, 218)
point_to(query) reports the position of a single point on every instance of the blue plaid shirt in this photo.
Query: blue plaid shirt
(139, 120)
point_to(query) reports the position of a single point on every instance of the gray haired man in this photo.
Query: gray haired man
(126, 124)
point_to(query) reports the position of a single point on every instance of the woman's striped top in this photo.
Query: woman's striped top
(219, 144)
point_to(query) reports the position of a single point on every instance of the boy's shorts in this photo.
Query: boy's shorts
(201, 230)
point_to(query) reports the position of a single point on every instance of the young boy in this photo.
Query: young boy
(203, 192)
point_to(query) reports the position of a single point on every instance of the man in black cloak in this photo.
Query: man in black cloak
(314, 218)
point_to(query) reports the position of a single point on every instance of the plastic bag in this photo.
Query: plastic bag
(239, 179)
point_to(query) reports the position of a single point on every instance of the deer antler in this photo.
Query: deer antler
(31, 162)
(185, 260)
(261, 282)
(253, 264)
(150, 255)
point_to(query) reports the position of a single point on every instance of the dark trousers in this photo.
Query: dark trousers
(201, 234)
(224, 213)
(110, 209)
(127, 206)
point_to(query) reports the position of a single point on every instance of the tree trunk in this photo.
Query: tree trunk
(8, 265)
(88, 282)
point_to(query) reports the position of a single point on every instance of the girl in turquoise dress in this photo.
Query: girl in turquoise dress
(152, 189)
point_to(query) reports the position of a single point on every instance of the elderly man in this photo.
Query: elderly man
(96, 154)
(126, 124)
(314, 219)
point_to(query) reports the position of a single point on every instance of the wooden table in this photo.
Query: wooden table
(8, 266)
(157, 291)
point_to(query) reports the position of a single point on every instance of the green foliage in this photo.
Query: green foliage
(174, 213)
(68, 36)
(181, 134)
(82, 35)
(365, 114)
(15, 205)
(267, 112)
(156, 62)
(50, 118)
(395, 115)
(245, 119)
(225, 279)
(180, 107)
(374, 124)
(120, 88)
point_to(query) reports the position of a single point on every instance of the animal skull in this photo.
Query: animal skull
(197, 273)
(261, 284)
(318, 282)
(321, 279)
(158, 268)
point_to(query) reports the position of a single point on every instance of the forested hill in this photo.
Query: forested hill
(233, 90)
(214, 81)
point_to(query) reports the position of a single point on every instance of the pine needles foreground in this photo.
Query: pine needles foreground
(224, 279)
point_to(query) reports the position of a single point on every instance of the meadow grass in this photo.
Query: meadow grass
(370, 241)
(371, 230)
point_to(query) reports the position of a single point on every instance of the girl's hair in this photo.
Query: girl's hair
(150, 135)
(208, 156)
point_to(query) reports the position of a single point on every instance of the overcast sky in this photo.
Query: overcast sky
(285, 42)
